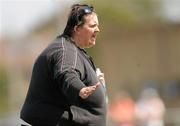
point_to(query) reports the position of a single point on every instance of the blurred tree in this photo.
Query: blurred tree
(127, 12)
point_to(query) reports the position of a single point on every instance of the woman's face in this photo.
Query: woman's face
(88, 32)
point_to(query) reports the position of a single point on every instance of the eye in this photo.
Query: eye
(93, 25)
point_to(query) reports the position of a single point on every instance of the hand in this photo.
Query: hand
(87, 91)
(100, 76)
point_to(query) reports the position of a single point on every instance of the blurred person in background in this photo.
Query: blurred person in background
(64, 88)
(150, 108)
(122, 110)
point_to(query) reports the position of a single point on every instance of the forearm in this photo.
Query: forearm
(70, 84)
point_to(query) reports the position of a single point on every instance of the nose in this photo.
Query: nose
(97, 29)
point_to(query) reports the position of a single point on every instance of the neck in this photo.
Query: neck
(77, 41)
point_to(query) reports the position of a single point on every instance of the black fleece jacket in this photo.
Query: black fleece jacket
(59, 73)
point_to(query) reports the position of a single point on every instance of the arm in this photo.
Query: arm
(68, 75)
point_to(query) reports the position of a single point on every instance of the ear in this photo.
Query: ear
(76, 29)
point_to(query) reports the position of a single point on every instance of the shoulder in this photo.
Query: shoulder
(64, 43)
(62, 47)
(59, 45)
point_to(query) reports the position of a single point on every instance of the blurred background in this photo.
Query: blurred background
(138, 49)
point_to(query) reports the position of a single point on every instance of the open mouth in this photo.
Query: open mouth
(94, 36)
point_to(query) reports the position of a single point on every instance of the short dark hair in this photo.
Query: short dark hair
(76, 17)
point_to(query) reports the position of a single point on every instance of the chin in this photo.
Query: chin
(91, 44)
(94, 43)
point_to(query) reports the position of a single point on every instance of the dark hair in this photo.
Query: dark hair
(76, 17)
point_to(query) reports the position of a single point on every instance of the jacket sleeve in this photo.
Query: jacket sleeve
(66, 73)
